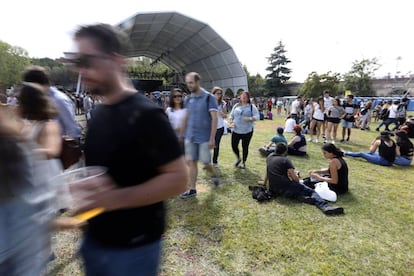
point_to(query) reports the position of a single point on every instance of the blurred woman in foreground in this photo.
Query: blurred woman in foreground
(24, 203)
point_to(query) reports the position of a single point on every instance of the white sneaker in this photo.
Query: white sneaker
(215, 165)
(316, 141)
(310, 140)
(333, 142)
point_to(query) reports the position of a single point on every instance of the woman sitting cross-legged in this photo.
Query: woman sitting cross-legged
(336, 174)
(297, 146)
(385, 155)
(404, 149)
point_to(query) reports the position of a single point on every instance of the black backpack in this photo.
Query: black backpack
(260, 193)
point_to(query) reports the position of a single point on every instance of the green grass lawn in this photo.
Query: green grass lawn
(225, 232)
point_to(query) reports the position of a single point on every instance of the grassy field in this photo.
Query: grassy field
(225, 232)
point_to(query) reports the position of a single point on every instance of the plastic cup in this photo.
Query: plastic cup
(74, 184)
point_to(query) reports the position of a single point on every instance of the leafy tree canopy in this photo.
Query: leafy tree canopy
(13, 60)
(315, 84)
(358, 79)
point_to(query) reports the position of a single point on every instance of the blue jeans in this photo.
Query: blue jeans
(402, 161)
(103, 261)
(374, 158)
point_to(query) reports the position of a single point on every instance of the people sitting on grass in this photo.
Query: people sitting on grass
(278, 138)
(385, 156)
(284, 181)
(336, 175)
(404, 149)
(297, 146)
(289, 124)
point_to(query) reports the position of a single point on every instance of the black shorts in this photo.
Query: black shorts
(325, 117)
(334, 120)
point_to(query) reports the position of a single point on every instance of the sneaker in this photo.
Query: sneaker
(236, 164)
(310, 140)
(325, 141)
(333, 142)
(377, 129)
(189, 193)
(216, 180)
(332, 210)
(242, 166)
(316, 141)
(215, 165)
(347, 139)
(342, 141)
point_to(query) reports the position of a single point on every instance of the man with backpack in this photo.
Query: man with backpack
(200, 126)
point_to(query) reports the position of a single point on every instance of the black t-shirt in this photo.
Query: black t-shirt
(406, 148)
(386, 152)
(277, 172)
(349, 111)
(132, 138)
(342, 186)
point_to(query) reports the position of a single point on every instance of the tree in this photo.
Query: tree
(13, 60)
(315, 84)
(146, 68)
(358, 79)
(59, 74)
(255, 83)
(278, 72)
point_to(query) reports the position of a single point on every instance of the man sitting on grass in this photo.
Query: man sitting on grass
(284, 181)
(278, 138)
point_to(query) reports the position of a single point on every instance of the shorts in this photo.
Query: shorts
(198, 152)
(346, 124)
(325, 117)
(334, 120)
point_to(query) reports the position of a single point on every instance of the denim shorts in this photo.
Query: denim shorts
(346, 124)
(197, 152)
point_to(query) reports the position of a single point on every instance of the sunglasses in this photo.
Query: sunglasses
(86, 60)
(177, 96)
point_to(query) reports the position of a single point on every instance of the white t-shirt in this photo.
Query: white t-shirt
(289, 125)
(393, 111)
(295, 107)
(220, 119)
(317, 112)
(176, 117)
(327, 102)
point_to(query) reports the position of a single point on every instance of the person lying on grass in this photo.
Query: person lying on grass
(336, 175)
(284, 181)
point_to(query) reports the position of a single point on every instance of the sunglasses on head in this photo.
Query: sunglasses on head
(86, 60)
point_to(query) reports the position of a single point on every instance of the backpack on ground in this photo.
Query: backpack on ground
(260, 193)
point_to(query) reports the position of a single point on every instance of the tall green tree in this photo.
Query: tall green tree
(146, 68)
(13, 60)
(256, 83)
(358, 79)
(315, 84)
(279, 73)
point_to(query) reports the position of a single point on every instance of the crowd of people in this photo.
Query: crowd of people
(151, 152)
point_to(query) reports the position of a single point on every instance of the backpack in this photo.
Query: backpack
(384, 113)
(401, 111)
(260, 193)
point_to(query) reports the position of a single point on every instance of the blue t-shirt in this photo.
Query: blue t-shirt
(199, 118)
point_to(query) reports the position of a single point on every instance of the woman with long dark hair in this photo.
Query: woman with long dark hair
(317, 119)
(297, 146)
(243, 116)
(39, 116)
(25, 214)
(336, 175)
(385, 156)
(405, 149)
(222, 114)
(335, 113)
(176, 113)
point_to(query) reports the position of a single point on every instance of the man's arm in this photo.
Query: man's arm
(171, 181)
(67, 118)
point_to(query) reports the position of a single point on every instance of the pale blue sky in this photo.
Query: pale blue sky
(319, 35)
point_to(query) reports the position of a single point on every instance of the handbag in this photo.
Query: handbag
(71, 152)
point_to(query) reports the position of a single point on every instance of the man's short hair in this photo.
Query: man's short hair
(194, 75)
(36, 74)
(109, 39)
(281, 148)
(280, 130)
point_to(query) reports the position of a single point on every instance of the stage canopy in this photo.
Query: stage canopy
(185, 45)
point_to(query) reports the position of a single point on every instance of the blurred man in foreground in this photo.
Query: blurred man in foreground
(133, 138)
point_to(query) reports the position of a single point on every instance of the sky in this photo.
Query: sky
(319, 35)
